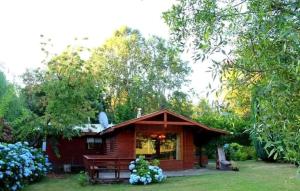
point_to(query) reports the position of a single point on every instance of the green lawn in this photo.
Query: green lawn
(256, 176)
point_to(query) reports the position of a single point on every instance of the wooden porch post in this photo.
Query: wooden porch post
(165, 120)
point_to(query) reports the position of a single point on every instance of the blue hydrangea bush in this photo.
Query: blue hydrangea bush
(20, 164)
(144, 173)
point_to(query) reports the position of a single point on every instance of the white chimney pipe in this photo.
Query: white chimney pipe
(139, 113)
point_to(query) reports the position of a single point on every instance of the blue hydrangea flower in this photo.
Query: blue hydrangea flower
(131, 166)
(14, 187)
(27, 172)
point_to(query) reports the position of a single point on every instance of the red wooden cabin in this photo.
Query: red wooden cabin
(164, 135)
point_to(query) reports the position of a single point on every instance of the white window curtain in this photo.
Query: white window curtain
(90, 140)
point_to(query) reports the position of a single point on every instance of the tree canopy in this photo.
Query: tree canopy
(62, 96)
(259, 40)
(13, 111)
(126, 72)
(137, 72)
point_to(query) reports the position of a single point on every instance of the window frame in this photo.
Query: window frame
(177, 147)
(93, 144)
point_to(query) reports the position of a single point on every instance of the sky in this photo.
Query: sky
(22, 23)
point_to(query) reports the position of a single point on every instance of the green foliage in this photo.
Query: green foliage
(13, 111)
(259, 41)
(9, 99)
(136, 72)
(125, 73)
(142, 166)
(181, 103)
(155, 162)
(33, 93)
(292, 148)
(261, 151)
(70, 92)
(237, 152)
(220, 118)
(61, 97)
(83, 179)
(223, 119)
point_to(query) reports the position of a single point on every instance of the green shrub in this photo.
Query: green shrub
(21, 164)
(237, 152)
(293, 156)
(83, 179)
(251, 153)
(261, 151)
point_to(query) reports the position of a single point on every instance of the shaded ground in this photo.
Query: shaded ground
(253, 176)
(190, 172)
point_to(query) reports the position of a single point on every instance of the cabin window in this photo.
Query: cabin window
(160, 146)
(93, 143)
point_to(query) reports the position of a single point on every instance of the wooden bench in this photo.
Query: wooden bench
(97, 164)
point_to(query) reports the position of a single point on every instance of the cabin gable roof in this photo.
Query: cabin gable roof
(155, 118)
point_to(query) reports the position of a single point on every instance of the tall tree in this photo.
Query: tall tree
(260, 42)
(12, 109)
(62, 96)
(137, 72)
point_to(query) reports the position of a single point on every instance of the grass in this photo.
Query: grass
(253, 176)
